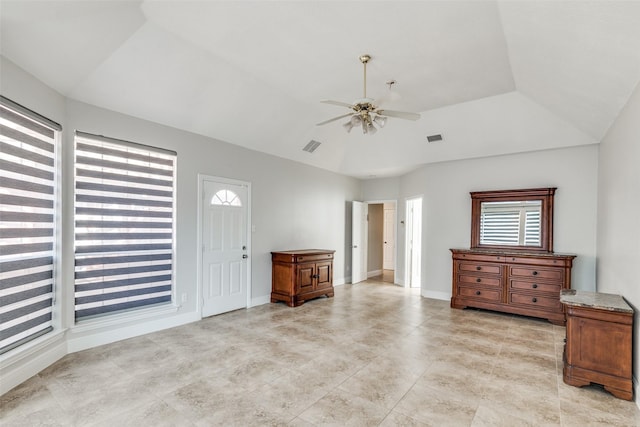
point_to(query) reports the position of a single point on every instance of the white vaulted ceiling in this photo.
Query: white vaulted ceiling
(491, 77)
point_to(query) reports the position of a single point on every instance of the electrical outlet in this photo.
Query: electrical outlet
(184, 297)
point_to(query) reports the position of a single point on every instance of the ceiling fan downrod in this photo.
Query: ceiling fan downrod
(364, 59)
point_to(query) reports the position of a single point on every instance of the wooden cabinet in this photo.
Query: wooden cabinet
(514, 282)
(599, 342)
(300, 275)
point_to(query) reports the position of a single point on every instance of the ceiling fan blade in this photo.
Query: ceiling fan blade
(338, 103)
(334, 119)
(399, 114)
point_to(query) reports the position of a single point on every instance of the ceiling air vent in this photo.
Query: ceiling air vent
(434, 138)
(311, 146)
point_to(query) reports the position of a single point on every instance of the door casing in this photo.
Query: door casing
(359, 232)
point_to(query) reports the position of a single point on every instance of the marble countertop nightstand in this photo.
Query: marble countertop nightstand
(597, 300)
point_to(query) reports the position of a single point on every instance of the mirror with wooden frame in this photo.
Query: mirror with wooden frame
(513, 219)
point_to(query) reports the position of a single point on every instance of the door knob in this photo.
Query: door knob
(245, 256)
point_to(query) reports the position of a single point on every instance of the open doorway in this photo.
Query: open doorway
(413, 242)
(381, 247)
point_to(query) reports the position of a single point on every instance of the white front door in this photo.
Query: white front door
(389, 239)
(224, 247)
(359, 242)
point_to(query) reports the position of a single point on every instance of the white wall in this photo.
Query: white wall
(26, 90)
(446, 218)
(294, 206)
(618, 213)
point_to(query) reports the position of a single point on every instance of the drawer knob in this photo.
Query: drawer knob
(478, 268)
(534, 286)
(478, 292)
(535, 273)
(478, 280)
(534, 300)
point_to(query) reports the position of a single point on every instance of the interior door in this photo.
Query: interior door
(224, 247)
(359, 242)
(389, 239)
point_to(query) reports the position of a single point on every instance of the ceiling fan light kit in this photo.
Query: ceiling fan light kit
(365, 113)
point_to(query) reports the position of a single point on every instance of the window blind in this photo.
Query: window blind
(28, 144)
(124, 209)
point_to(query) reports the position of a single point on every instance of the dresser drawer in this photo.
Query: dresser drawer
(480, 280)
(549, 262)
(479, 268)
(478, 257)
(478, 293)
(535, 286)
(539, 273)
(546, 303)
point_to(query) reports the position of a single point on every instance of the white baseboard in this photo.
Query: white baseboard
(339, 282)
(260, 300)
(82, 341)
(374, 273)
(16, 369)
(636, 390)
(444, 296)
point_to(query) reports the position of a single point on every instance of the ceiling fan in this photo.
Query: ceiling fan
(364, 112)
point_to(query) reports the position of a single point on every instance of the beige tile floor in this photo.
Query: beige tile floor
(375, 354)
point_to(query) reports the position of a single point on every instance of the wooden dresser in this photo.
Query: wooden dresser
(513, 282)
(300, 275)
(599, 342)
